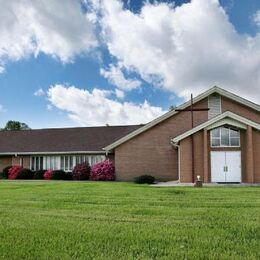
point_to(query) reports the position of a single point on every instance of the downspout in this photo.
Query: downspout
(106, 154)
(179, 158)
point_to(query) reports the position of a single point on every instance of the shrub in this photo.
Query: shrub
(144, 179)
(103, 171)
(48, 175)
(5, 172)
(81, 171)
(1, 175)
(38, 175)
(69, 176)
(59, 175)
(25, 174)
(14, 172)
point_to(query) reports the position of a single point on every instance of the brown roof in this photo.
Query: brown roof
(62, 139)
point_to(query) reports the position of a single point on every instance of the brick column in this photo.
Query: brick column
(249, 156)
(16, 160)
(205, 156)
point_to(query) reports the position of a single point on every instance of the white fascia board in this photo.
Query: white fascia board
(53, 153)
(227, 121)
(212, 121)
(169, 114)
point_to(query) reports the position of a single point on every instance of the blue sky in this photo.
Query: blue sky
(49, 79)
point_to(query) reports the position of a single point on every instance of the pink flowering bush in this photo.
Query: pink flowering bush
(81, 171)
(14, 171)
(48, 175)
(103, 171)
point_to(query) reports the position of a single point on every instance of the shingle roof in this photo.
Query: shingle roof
(62, 139)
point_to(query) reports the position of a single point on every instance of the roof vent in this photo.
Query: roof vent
(214, 103)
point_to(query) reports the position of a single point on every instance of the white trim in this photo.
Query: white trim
(227, 121)
(216, 119)
(50, 153)
(179, 160)
(221, 111)
(169, 114)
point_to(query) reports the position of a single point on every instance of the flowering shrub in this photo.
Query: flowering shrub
(48, 175)
(103, 171)
(14, 172)
(81, 171)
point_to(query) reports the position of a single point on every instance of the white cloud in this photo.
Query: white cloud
(40, 92)
(2, 109)
(2, 69)
(49, 107)
(96, 108)
(56, 28)
(256, 18)
(184, 48)
(119, 93)
(116, 77)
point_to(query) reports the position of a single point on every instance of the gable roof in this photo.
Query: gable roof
(62, 140)
(221, 119)
(169, 114)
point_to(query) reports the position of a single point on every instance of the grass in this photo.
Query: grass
(84, 220)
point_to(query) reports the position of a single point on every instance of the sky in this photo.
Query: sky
(95, 62)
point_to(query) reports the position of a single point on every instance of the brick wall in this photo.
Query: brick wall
(256, 152)
(229, 105)
(186, 157)
(21, 160)
(185, 160)
(5, 161)
(151, 151)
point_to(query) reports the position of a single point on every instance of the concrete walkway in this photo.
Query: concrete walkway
(178, 184)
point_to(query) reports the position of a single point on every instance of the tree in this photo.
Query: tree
(172, 107)
(15, 125)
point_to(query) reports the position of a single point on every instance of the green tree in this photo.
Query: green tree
(15, 125)
(172, 107)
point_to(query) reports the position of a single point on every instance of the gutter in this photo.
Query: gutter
(54, 153)
(179, 157)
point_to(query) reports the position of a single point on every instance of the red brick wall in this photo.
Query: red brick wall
(26, 162)
(186, 157)
(14, 160)
(5, 161)
(185, 160)
(151, 151)
(229, 105)
(256, 152)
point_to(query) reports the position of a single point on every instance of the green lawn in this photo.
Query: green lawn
(84, 220)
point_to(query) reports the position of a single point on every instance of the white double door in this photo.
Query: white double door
(226, 166)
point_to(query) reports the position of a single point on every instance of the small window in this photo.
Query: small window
(225, 137)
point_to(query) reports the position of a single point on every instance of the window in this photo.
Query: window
(67, 162)
(225, 137)
(64, 162)
(36, 163)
